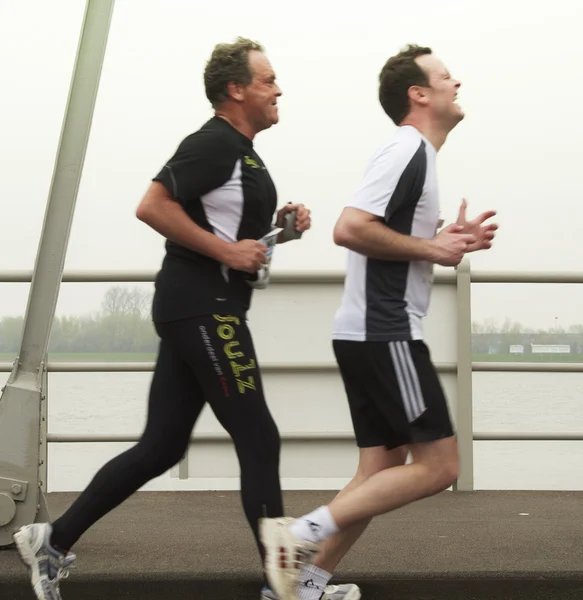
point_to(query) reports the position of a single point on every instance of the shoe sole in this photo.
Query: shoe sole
(28, 559)
(354, 594)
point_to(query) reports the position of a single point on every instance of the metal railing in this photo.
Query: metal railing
(462, 278)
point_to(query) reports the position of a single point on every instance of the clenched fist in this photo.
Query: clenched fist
(450, 245)
(246, 255)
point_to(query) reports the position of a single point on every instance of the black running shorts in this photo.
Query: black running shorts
(394, 393)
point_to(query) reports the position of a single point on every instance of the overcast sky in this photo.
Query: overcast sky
(517, 151)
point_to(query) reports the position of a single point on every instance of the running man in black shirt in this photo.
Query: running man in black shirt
(212, 201)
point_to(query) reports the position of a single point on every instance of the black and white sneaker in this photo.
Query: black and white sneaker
(46, 565)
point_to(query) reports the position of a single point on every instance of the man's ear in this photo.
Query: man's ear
(236, 91)
(418, 95)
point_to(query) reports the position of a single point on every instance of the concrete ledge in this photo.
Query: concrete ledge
(481, 545)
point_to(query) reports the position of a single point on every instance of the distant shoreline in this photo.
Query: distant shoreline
(529, 358)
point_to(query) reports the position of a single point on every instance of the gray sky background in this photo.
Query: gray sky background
(517, 151)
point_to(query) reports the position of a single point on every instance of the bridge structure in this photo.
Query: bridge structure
(478, 544)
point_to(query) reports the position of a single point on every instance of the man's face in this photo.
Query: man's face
(442, 93)
(260, 96)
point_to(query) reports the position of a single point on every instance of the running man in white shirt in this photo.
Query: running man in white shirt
(397, 404)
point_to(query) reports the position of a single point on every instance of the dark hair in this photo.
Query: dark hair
(399, 73)
(228, 63)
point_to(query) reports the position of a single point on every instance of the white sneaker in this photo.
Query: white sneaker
(285, 555)
(346, 591)
(46, 565)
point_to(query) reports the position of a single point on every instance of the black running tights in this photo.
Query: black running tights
(204, 359)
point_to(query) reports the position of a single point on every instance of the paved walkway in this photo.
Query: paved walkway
(455, 545)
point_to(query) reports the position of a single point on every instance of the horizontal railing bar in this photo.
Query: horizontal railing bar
(100, 367)
(445, 276)
(79, 276)
(143, 366)
(533, 437)
(104, 367)
(306, 436)
(68, 438)
(527, 277)
(296, 277)
(533, 367)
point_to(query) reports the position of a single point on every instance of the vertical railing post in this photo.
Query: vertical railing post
(464, 413)
(183, 465)
(43, 450)
(43, 514)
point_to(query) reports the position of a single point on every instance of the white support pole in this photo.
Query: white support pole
(464, 420)
(22, 500)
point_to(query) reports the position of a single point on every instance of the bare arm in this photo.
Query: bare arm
(166, 216)
(163, 214)
(366, 234)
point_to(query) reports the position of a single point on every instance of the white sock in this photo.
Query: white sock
(312, 582)
(315, 526)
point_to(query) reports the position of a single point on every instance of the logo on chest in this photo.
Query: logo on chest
(251, 162)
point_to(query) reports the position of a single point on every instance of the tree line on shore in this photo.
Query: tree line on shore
(123, 324)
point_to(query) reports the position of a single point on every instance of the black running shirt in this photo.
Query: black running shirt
(224, 187)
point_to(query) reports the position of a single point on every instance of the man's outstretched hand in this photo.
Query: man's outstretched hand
(482, 231)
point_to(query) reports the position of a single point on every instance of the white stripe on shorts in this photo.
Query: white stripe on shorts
(408, 380)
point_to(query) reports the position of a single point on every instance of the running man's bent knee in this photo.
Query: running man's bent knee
(441, 459)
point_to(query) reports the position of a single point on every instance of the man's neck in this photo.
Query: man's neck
(435, 133)
(237, 121)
